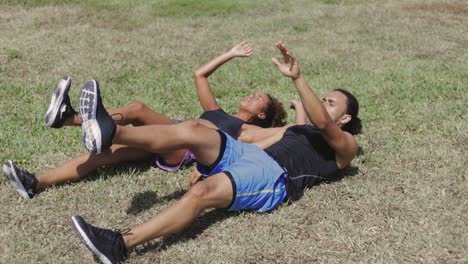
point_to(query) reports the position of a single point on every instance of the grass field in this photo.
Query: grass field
(404, 201)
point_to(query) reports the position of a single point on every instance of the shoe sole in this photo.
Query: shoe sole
(85, 239)
(89, 125)
(56, 100)
(12, 175)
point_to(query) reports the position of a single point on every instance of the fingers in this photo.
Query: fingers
(292, 60)
(281, 47)
(194, 178)
(246, 44)
(244, 48)
(281, 67)
(248, 48)
(292, 104)
(285, 51)
(276, 62)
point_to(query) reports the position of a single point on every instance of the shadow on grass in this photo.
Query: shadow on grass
(349, 171)
(105, 172)
(127, 168)
(145, 200)
(196, 229)
(312, 181)
(360, 151)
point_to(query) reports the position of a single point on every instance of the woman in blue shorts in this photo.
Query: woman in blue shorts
(238, 176)
(255, 111)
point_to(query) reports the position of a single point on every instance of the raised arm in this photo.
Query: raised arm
(342, 142)
(205, 95)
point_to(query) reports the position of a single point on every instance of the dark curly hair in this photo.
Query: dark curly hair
(275, 115)
(354, 126)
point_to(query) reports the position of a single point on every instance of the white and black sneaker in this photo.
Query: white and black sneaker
(107, 245)
(97, 126)
(23, 181)
(60, 107)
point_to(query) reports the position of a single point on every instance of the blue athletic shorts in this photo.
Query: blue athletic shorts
(259, 183)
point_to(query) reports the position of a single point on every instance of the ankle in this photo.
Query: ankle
(116, 134)
(128, 240)
(37, 188)
(73, 120)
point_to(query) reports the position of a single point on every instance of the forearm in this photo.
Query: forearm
(313, 107)
(204, 92)
(301, 116)
(207, 69)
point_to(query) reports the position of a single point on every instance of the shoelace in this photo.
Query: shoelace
(124, 232)
(124, 251)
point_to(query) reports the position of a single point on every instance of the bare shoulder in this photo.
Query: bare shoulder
(348, 151)
(352, 142)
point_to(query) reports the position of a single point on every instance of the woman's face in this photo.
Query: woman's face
(335, 104)
(255, 103)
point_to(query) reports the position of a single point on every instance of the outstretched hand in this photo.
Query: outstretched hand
(290, 66)
(243, 49)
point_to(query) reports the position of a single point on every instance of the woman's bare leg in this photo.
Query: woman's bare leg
(81, 166)
(215, 191)
(136, 113)
(204, 142)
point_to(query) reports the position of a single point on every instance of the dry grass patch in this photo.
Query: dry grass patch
(454, 8)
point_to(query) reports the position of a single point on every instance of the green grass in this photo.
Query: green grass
(12, 54)
(405, 61)
(194, 8)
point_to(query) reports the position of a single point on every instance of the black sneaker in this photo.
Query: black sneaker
(105, 244)
(60, 107)
(97, 126)
(24, 182)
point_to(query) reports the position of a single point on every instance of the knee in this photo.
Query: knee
(189, 124)
(135, 107)
(199, 192)
(215, 191)
(188, 128)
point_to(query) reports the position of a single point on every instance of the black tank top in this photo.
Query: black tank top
(224, 121)
(306, 156)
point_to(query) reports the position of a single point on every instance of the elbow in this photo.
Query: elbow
(196, 74)
(324, 124)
